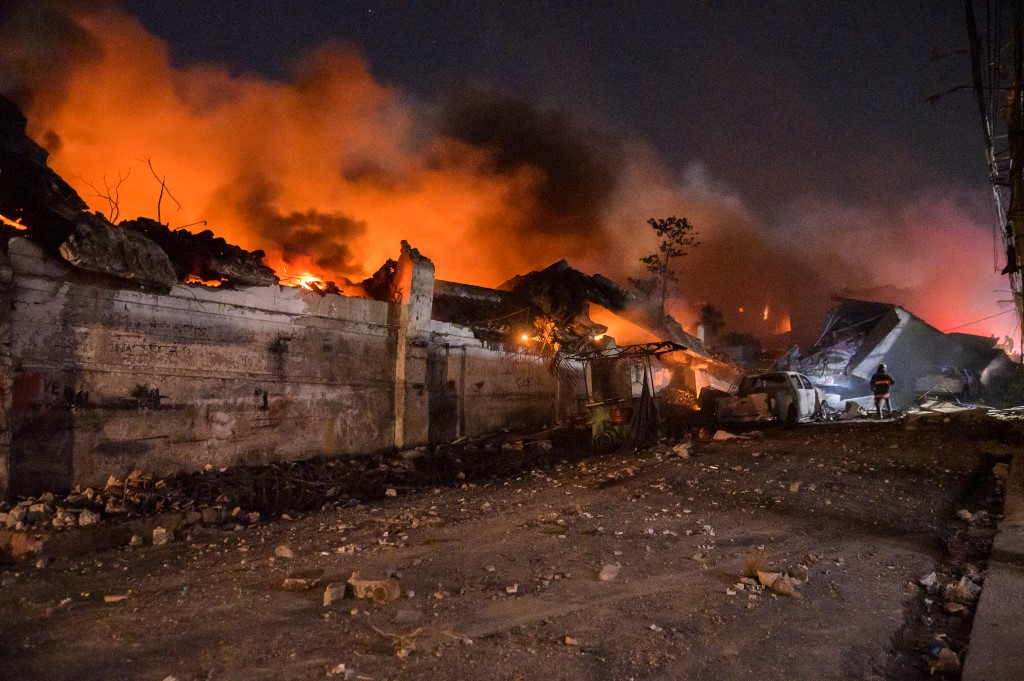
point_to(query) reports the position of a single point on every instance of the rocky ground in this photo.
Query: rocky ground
(643, 566)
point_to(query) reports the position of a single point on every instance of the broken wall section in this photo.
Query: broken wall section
(104, 380)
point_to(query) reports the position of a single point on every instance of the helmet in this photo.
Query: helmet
(881, 367)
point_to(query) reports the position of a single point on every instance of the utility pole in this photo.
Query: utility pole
(1000, 99)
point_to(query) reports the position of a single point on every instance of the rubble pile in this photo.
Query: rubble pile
(242, 495)
(927, 362)
(143, 252)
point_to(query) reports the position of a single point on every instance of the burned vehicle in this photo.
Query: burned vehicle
(776, 396)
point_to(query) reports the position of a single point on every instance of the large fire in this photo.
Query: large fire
(328, 171)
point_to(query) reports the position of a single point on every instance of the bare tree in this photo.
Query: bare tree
(163, 189)
(112, 194)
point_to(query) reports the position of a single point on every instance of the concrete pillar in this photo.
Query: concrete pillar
(414, 286)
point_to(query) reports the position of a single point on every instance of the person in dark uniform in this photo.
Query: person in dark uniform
(881, 384)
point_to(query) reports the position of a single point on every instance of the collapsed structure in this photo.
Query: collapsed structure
(859, 335)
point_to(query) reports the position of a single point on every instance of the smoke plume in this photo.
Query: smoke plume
(327, 171)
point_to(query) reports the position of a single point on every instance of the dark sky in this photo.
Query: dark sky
(777, 99)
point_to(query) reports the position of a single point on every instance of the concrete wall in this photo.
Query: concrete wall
(97, 379)
(477, 389)
(106, 379)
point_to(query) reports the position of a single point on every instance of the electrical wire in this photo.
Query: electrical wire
(997, 314)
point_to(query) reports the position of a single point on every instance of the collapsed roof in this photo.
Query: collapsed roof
(559, 293)
(859, 335)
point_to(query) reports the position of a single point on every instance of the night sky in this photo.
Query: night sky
(775, 99)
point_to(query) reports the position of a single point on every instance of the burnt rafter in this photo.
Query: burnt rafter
(636, 351)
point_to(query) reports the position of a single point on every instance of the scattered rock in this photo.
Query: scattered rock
(335, 591)
(88, 517)
(608, 573)
(36, 512)
(115, 598)
(945, 662)
(390, 492)
(780, 583)
(964, 592)
(340, 670)
(965, 515)
(682, 450)
(161, 536)
(376, 590)
(930, 582)
(284, 552)
(302, 581)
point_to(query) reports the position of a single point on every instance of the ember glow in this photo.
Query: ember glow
(193, 279)
(328, 171)
(16, 224)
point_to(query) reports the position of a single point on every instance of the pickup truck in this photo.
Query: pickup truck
(775, 396)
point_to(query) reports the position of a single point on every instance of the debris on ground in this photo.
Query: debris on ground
(334, 592)
(779, 582)
(721, 435)
(302, 581)
(376, 590)
(964, 592)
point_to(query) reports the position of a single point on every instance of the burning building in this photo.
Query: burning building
(134, 346)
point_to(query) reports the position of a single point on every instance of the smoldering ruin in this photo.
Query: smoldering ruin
(137, 347)
(165, 383)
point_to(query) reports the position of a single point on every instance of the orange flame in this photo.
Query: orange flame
(193, 279)
(4, 220)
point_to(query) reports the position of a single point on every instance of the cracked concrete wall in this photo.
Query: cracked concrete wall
(104, 380)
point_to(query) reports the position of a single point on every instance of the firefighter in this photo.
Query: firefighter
(881, 384)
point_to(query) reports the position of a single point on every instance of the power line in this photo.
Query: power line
(997, 314)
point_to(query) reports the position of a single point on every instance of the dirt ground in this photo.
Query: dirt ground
(499, 578)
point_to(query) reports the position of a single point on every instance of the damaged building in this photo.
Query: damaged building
(137, 347)
(859, 335)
